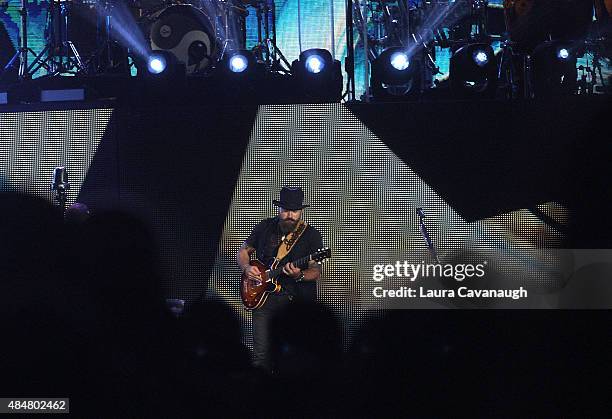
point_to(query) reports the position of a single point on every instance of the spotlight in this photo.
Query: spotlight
(395, 75)
(161, 65)
(563, 53)
(238, 77)
(156, 64)
(238, 63)
(481, 58)
(315, 64)
(553, 69)
(318, 76)
(473, 72)
(399, 61)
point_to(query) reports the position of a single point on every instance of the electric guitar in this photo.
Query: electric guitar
(255, 292)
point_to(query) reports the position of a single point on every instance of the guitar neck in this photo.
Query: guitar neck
(301, 263)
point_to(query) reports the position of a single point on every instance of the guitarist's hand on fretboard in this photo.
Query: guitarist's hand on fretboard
(292, 271)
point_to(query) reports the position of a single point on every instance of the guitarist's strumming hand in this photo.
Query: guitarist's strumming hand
(253, 274)
(292, 271)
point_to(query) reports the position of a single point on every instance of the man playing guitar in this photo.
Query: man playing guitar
(267, 240)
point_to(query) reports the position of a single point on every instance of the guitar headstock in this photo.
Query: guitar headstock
(321, 254)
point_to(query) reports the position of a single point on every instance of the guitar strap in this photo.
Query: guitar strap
(289, 241)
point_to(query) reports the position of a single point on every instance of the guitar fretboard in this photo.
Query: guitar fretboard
(301, 263)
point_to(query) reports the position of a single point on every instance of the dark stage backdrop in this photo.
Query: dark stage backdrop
(203, 176)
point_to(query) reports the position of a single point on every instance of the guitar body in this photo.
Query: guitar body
(254, 294)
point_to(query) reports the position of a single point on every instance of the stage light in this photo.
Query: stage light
(473, 72)
(395, 75)
(563, 53)
(239, 76)
(157, 64)
(315, 64)
(161, 66)
(481, 58)
(553, 69)
(238, 63)
(317, 76)
(399, 61)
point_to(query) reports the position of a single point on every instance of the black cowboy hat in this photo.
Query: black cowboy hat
(291, 199)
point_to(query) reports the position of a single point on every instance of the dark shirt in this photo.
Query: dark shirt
(266, 237)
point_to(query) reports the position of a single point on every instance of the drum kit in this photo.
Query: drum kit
(82, 36)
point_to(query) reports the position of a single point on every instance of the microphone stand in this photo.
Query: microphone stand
(428, 241)
(60, 186)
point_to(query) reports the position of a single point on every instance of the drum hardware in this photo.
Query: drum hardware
(231, 13)
(507, 73)
(61, 54)
(366, 41)
(406, 21)
(109, 57)
(584, 86)
(228, 42)
(596, 48)
(266, 49)
(349, 63)
(21, 56)
(479, 15)
(362, 6)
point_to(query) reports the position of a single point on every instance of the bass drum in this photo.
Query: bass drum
(188, 33)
